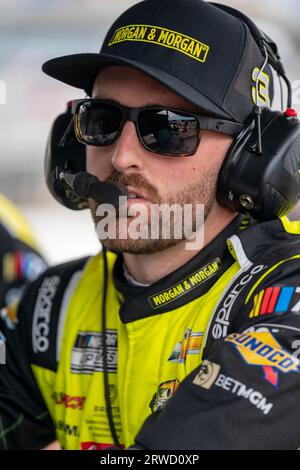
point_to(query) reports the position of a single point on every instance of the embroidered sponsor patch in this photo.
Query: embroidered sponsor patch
(164, 392)
(160, 36)
(68, 401)
(260, 348)
(191, 344)
(276, 300)
(87, 353)
(189, 283)
(207, 374)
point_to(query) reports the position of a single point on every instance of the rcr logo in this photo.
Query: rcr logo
(222, 320)
(42, 311)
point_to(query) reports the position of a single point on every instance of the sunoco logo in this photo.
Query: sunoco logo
(221, 321)
(262, 349)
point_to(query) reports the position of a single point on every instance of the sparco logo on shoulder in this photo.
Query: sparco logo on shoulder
(42, 312)
(221, 321)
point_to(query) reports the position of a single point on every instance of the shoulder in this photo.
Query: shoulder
(267, 282)
(271, 250)
(37, 316)
(271, 240)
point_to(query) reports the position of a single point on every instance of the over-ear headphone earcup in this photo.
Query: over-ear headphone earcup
(65, 152)
(230, 183)
(264, 185)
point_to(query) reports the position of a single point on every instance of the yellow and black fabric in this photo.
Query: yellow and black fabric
(204, 358)
(20, 259)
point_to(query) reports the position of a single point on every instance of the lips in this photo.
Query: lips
(133, 197)
(135, 194)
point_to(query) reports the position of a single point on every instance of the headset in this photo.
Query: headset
(260, 175)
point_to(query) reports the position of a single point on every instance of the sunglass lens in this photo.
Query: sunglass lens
(168, 133)
(98, 123)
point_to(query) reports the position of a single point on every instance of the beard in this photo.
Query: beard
(202, 192)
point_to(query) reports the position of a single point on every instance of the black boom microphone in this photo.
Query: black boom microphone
(85, 186)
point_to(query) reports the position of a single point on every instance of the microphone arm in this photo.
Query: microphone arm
(86, 186)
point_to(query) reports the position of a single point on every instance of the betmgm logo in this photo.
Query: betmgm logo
(2, 92)
(2, 351)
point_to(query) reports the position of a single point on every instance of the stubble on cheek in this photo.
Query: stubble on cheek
(202, 192)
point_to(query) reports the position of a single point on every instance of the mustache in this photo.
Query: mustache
(137, 181)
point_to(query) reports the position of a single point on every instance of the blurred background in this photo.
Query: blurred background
(33, 31)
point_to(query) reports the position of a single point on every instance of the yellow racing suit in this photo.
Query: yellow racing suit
(204, 358)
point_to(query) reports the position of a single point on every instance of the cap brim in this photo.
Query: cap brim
(80, 70)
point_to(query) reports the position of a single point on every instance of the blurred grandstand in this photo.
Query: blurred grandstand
(32, 31)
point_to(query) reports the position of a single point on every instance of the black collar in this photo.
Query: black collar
(181, 286)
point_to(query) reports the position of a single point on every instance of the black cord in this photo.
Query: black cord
(104, 352)
(281, 92)
(289, 91)
(257, 114)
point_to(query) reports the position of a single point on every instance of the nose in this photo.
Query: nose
(128, 151)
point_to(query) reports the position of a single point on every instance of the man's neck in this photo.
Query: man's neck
(149, 268)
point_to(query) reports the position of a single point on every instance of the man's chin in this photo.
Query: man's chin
(139, 246)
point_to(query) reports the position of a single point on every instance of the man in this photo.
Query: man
(164, 347)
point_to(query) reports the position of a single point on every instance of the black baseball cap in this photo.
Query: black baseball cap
(194, 48)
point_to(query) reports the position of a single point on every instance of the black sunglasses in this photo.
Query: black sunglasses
(162, 130)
